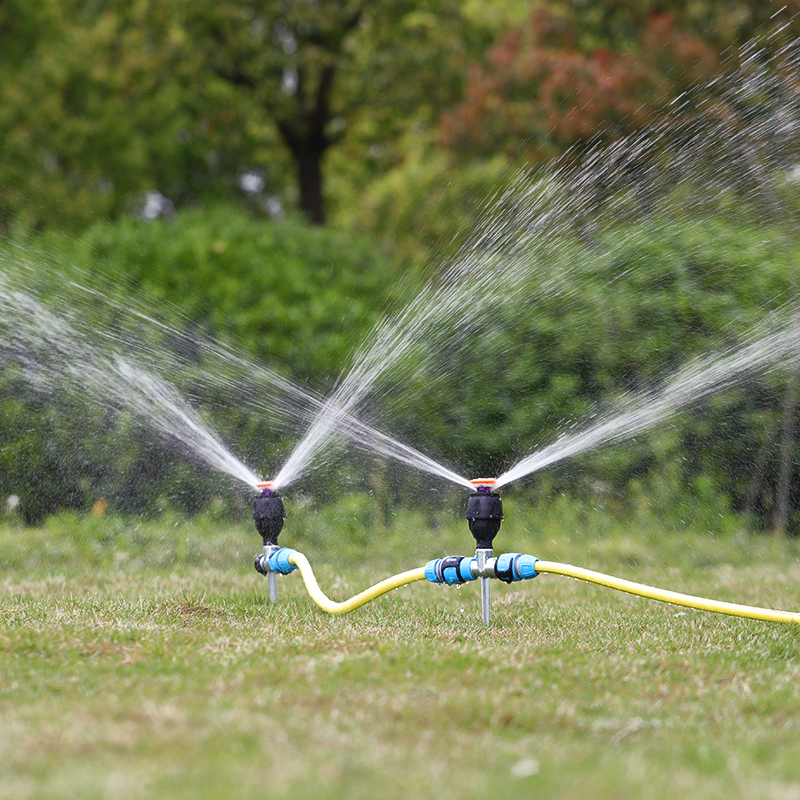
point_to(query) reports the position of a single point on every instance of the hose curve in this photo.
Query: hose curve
(333, 607)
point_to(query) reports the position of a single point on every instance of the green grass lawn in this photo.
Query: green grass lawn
(143, 660)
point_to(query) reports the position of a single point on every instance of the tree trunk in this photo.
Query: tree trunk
(309, 176)
(308, 149)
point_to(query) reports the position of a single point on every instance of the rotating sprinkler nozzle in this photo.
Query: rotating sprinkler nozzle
(269, 514)
(484, 515)
(484, 512)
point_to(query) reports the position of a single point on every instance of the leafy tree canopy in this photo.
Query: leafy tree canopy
(578, 70)
(189, 98)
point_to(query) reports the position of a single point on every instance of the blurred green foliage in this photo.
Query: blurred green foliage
(626, 313)
(286, 292)
(103, 102)
(185, 98)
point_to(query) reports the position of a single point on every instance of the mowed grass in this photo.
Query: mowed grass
(143, 660)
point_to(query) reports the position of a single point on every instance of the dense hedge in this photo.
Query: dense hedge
(293, 297)
(630, 308)
(291, 294)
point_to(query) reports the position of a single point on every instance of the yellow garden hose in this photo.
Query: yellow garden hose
(331, 606)
(510, 567)
(676, 598)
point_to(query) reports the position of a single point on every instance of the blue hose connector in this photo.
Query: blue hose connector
(279, 561)
(451, 570)
(511, 567)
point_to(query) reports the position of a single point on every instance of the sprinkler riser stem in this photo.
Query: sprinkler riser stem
(484, 515)
(272, 576)
(482, 556)
(485, 571)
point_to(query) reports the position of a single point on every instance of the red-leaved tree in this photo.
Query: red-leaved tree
(544, 87)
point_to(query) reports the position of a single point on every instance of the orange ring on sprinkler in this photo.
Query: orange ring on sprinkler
(264, 485)
(483, 481)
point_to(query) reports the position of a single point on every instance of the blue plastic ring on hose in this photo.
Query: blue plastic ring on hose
(279, 561)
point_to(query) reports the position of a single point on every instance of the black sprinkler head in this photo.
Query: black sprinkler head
(269, 514)
(484, 513)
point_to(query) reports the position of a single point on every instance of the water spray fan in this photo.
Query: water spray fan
(484, 515)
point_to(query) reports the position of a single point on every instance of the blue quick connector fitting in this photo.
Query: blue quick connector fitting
(450, 570)
(279, 561)
(511, 567)
(430, 571)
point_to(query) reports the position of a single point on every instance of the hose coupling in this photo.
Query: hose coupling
(451, 570)
(278, 562)
(509, 568)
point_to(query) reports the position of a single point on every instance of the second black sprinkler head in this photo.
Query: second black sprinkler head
(269, 514)
(484, 513)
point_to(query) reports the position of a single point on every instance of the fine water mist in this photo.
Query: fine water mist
(111, 366)
(724, 147)
(639, 413)
(55, 356)
(727, 147)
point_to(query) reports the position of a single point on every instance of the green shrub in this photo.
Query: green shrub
(632, 310)
(631, 307)
(285, 294)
